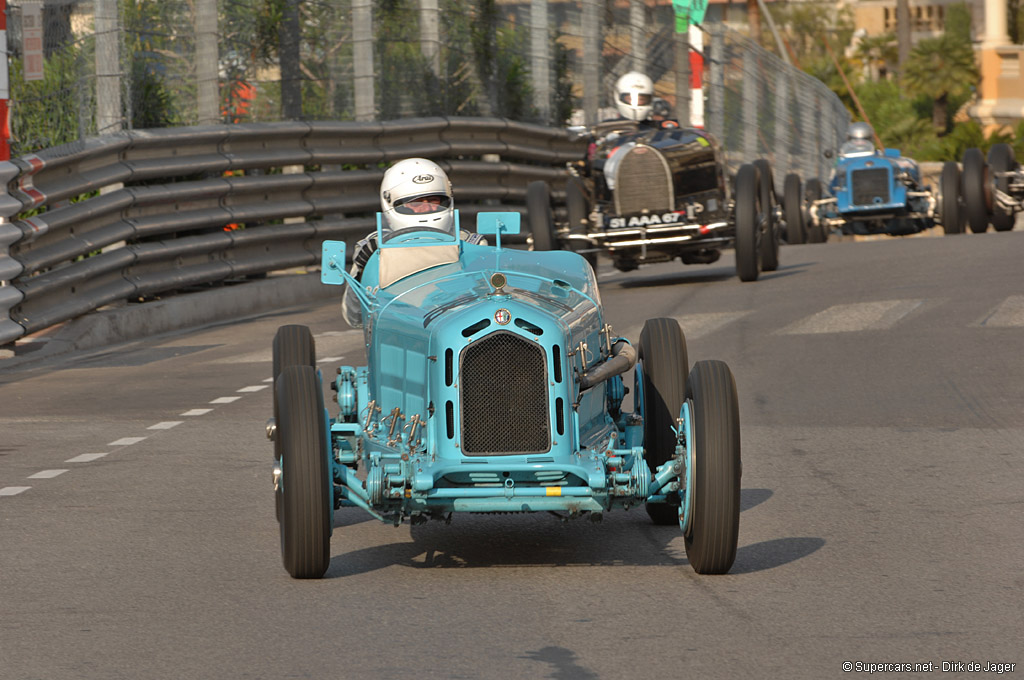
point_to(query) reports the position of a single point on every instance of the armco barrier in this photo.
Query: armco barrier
(127, 217)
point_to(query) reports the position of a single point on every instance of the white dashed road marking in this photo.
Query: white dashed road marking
(330, 359)
(694, 325)
(197, 412)
(859, 316)
(224, 400)
(254, 388)
(1009, 314)
(126, 441)
(13, 490)
(166, 425)
(47, 474)
(85, 458)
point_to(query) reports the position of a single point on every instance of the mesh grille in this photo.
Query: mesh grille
(643, 182)
(870, 187)
(504, 394)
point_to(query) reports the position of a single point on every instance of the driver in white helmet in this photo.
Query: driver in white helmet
(859, 141)
(635, 100)
(415, 196)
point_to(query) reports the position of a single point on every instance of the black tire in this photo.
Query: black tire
(664, 363)
(1001, 160)
(747, 214)
(812, 192)
(792, 205)
(307, 510)
(949, 194)
(293, 346)
(770, 235)
(542, 221)
(973, 189)
(713, 533)
(578, 209)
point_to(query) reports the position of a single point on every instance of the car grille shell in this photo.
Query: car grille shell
(643, 183)
(504, 396)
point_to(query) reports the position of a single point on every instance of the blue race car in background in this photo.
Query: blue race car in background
(494, 385)
(880, 192)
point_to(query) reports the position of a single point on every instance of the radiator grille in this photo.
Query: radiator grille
(643, 181)
(504, 396)
(870, 187)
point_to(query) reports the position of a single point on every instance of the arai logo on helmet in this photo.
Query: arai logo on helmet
(423, 179)
(502, 316)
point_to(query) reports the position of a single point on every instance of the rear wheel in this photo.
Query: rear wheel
(973, 180)
(713, 533)
(792, 204)
(663, 365)
(949, 194)
(538, 209)
(578, 209)
(1001, 161)
(814, 229)
(307, 510)
(747, 214)
(770, 233)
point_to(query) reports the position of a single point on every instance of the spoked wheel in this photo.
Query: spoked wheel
(1001, 161)
(663, 364)
(814, 230)
(293, 346)
(713, 532)
(307, 509)
(578, 209)
(792, 205)
(538, 209)
(747, 215)
(770, 232)
(949, 194)
(973, 181)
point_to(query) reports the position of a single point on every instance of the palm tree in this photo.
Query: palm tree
(941, 68)
(878, 54)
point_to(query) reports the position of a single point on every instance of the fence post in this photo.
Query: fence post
(637, 31)
(362, 56)
(108, 68)
(430, 41)
(207, 92)
(750, 105)
(540, 64)
(716, 84)
(591, 61)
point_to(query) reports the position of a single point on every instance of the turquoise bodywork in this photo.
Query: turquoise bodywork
(401, 417)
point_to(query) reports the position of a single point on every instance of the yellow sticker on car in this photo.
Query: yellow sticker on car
(554, 491)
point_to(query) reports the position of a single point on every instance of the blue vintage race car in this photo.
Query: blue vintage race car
(494, 385)
(873, 192)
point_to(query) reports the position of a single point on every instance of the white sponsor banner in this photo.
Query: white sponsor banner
(32, 39)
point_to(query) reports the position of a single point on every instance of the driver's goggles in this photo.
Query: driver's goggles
(635, 98)
(423, 205)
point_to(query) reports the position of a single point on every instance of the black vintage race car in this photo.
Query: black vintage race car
(646, 194)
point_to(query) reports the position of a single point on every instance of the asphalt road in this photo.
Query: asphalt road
(882, 407)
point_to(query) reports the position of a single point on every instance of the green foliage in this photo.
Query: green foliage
(47, 110)
(941, 68)
(807, 26)
(562, 100)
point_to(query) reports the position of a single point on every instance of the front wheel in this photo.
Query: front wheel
(663, 364)
(577, 207)
(713, 533)
(770, 231)
(792, 204)
(1001, 162)
(972, 184)
(815, 230)
(542, 221)
(949, 194)
(747, 217)
(307, 509)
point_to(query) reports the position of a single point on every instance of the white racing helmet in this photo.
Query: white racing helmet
(634, 96)
(859, 131)
(416, 195)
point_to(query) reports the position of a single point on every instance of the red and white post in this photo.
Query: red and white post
(5, 89)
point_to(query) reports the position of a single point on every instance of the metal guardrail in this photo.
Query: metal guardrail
(130, 216)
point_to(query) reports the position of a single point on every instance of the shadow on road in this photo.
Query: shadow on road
(541, 540)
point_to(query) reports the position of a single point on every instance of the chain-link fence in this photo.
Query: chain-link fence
(131, 64)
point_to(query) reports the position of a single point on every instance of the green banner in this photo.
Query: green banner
(689, 12)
